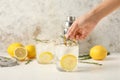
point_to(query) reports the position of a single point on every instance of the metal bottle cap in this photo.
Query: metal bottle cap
(70, 18)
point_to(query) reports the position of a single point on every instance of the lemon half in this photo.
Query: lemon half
(45, 57)
(20, 53)
(68, 62)
(11, 48)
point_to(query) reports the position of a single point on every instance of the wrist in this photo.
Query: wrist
(94, 16)
(104, 9)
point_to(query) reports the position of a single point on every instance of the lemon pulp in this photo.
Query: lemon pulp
(45, 57)
(20, 53)
(11, 48)
(68, 62)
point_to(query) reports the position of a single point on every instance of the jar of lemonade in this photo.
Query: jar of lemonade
(67, 55)
(45, 53)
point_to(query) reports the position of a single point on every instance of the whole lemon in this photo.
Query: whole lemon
(98, 52)
(11, 48)
(31, 51)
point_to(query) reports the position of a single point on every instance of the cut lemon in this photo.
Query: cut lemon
(11, 48)
(45, 57)
(20, 53)
(68, 62)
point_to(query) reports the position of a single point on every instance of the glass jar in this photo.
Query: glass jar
(66, 56)
(45, 53)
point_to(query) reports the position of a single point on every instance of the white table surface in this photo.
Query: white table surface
(110, 70)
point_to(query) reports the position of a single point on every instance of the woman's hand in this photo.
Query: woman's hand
(82, 27)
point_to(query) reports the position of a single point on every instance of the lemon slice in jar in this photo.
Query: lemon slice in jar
(45, 57)
(68, 62)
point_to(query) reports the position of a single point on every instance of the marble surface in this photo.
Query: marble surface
(23, 20)
(110, 70)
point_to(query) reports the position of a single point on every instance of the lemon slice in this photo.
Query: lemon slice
(68, 62)
(20, 53)
(45, 57)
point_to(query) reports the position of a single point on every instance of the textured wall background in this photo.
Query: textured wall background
(23, 20)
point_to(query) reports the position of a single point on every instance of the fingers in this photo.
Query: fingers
(77, 32)
(72, 35)
(77, 37)
(81, 34)
(72, 31)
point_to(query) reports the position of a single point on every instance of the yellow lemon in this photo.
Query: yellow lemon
(20, 53)
(45, 57)
(31, 51)
(12, 47)
(68, 62)
(98, 52)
